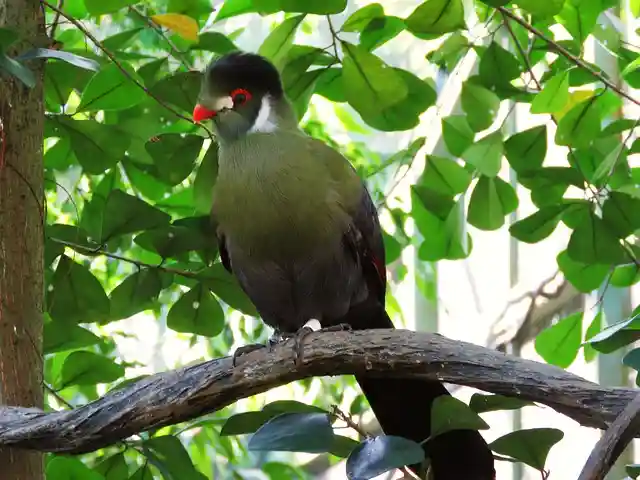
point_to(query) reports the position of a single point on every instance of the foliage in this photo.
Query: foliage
(129, 182)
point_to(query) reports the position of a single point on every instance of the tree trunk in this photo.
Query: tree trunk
(21, 234)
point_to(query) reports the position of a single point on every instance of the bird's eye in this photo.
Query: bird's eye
(240, 96)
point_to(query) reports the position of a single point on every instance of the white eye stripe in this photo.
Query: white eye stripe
(266, 121)
(223, 102)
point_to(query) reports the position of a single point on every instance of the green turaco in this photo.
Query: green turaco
(298, 229)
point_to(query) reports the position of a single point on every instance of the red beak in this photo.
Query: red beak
(201, 113)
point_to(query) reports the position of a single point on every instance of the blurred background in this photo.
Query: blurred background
(501, 296)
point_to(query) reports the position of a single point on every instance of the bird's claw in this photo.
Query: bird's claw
(302, 333)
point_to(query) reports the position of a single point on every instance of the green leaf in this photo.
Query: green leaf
(70, 468)
(70, 58)
(559, 343)
(525, 151)
(75, 295)
(448, 413)
(579, 18)
(592, 330)
(136, 293)
(113, 468)
(227, 288)
(278, 43)
(616, 335)
(542, 9)
(457, 134)
(214, 42)
(625, 275)
(585, 277)
(295, 432)
(330, 85)
(180, 89)
(124, 213)
(196, 311)
(621, 213)
(498, 66)
(436, 17)
(442, 223)
(369, 84)
(633, 470)
(530, 446)
(405, 114)
(593, 242)
(143, 473)
(232, 8)
(101, 7)
(554, 96)
(97, 146)
(122, 39)
(444, 176)
(58, 339)
(249, 422)
(581, 125)
(380, 30)
(15, 68)
(88, 368)
(491, 200)
(318, 7)
(486, 154)
(382, 453)
(343, 446)
(246, 422)
(632, 359)
(359, 19)
(174, 156)
(480, 104)
(539, 225)
(110, 89)
(169, 452)
(481, 403)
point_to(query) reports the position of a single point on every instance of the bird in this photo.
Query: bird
(297, 227)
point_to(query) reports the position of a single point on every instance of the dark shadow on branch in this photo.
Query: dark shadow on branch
(184, 394)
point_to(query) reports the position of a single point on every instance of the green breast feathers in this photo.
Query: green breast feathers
(285, 192)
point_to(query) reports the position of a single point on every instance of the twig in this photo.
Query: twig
(192, 391)
(613, 442)
(176, 53)
(568, 55)
(334, 37)
(98, 44)
(83, 250)
(339, 414)
(56, 21)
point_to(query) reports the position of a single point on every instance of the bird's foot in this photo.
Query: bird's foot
(312, 325)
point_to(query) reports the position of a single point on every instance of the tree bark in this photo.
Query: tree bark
(21, 234)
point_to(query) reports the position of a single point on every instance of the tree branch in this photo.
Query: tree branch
(613, 443)
(189, 392)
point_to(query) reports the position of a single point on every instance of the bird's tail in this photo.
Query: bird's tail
(403, 408)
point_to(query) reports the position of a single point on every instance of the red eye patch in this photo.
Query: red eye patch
(240, 96)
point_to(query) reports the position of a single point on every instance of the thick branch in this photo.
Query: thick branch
(177, 396)
(613, 443)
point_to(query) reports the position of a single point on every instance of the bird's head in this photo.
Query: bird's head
(241, 93)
